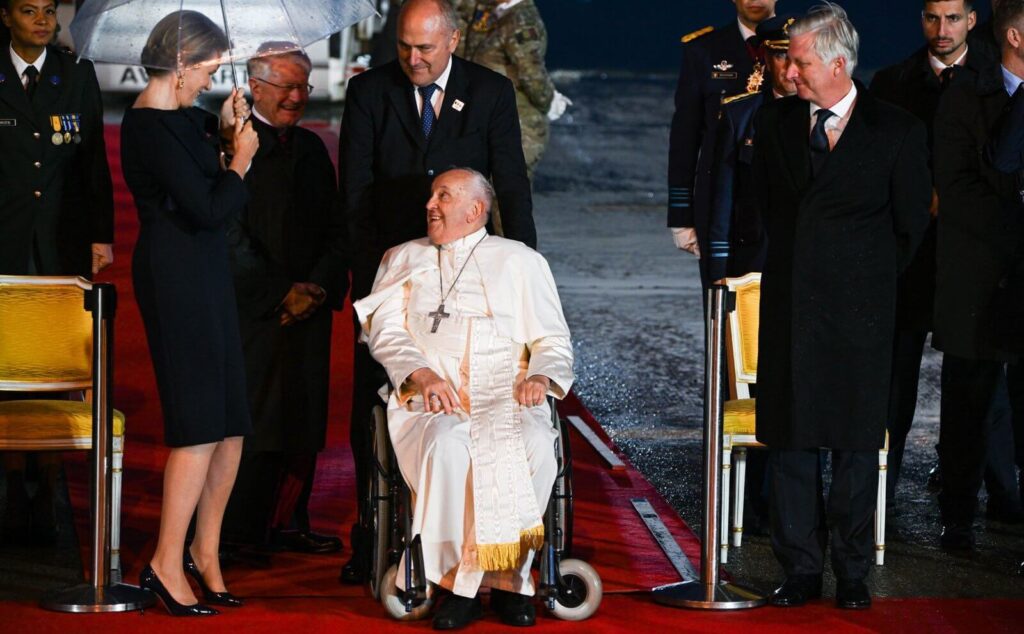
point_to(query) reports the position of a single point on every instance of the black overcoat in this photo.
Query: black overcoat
(58, 196)
(291, 231)
(181, 273)
(913, 85)
(979, 221)
(386, 165)
(836, 244)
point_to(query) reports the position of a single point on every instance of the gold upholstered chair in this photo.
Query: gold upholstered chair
(740, 424)
(46, 346)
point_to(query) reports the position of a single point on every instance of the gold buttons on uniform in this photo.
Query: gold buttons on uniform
(38, 194)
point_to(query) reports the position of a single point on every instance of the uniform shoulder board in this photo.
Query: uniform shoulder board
(689, 37)
(739, 97)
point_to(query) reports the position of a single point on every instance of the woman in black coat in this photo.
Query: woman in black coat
(183, 286)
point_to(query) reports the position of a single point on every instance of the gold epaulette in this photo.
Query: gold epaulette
(739, 97)
(689, 37)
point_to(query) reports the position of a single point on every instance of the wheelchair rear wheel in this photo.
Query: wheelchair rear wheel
(379, 495)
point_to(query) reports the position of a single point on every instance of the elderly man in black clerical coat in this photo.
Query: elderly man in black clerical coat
(846, 198)
(289, 256)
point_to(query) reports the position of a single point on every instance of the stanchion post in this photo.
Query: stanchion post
(709, 592)
(100, 595)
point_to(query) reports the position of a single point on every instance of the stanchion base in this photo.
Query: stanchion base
(86, 598)
(700, 596)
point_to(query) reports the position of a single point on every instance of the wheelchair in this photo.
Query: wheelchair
(570, 588)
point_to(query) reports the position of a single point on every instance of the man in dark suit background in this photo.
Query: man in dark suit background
(404, 123)
(979, 236)
(289, 258)
(715, 63)
(845, 196)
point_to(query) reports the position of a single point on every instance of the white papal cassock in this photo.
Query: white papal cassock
(481, 476)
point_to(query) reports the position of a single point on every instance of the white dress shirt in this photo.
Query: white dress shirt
(835, 125)
(938, 65)
(1010, 81)
(20, 65)
(438, 98)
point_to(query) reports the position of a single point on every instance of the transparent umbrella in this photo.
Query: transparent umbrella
(116, 31)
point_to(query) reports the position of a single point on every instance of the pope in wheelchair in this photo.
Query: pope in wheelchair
(470, 330)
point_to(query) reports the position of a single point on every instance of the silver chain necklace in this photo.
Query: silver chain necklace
(439, 314)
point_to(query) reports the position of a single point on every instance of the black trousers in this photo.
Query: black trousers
(799, 523)
(969, 388)
(256, 496)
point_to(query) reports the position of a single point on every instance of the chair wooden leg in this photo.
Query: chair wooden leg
(883, 470)
(739, 487)
(723, 525)
(115, 509)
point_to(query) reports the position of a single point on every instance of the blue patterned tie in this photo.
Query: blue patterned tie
(427, 92)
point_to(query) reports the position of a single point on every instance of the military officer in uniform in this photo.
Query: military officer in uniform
(716, 63)
(56, 197)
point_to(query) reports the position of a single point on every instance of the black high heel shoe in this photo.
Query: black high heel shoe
(149, 581)
(216, 598)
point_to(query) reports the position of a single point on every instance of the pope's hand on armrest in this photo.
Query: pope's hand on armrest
(532, 391)
(433, 388)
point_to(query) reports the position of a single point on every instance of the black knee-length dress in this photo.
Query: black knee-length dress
(180, 269)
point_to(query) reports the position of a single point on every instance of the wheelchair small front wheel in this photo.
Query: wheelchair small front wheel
(390, 597)
(581, 591)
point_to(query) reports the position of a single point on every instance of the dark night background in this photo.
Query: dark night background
(643, 35)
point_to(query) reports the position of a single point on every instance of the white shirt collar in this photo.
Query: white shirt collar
(745, 32)
(20, 65)
(840, 110)
(465, 242)
(938, 65)
(442, 81)
(1010, 81)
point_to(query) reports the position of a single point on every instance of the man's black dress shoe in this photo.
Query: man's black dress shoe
(300, 542)
(514, 608)
(457, 612)
(957, 538)
(1020, 571)
(852, 595)
(796, 591)
(935, 478)
(149, 581)
(356, 570)
(216, 598)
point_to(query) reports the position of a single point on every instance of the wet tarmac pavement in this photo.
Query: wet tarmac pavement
(633, 303)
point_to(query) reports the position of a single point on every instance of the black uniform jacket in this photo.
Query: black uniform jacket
(291, 231)
(386, 165)
(979, 221)
(57, 197)
(914, 86)
(836, 244)
(713, 66)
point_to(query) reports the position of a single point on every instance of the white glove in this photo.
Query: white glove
(558, 105)
(686, 239)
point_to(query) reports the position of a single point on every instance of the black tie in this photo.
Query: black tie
(32, 74)
(819, 141)
(945, 76)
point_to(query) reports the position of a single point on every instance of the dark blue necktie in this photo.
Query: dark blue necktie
(32, 74)
(819, 141)
(427, 92)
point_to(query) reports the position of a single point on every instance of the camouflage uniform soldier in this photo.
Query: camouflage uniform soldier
(509, 37)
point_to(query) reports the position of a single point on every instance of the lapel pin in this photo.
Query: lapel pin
(54, 80)
(3, 78)
(458, 106)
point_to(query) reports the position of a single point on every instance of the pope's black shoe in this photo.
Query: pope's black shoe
(852, 595)
(457, 612)
(957, 538)
(514, 608)
(304, 542)
(796, 591)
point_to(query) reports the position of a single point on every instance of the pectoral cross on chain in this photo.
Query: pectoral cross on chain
(437, 316)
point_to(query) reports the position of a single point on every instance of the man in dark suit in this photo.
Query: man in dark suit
(845, 203)
(56, 196)
(978, 239)
(404, 123)
(716, 63)
(289, 258)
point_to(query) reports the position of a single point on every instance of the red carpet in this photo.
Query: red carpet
(301, 592)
